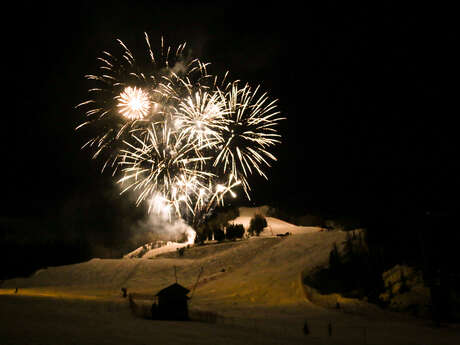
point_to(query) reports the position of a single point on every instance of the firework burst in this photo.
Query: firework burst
(160, 164)
(128, 94)
(133, 103)
(201, 117)
(178, 139)
(250, 130)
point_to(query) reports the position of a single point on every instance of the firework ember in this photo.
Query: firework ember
(250, 129)
(127, 94)
(134, 103)
(178, 140)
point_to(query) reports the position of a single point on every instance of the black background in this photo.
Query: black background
(370, 96)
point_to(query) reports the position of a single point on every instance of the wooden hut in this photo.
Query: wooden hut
(171, 303)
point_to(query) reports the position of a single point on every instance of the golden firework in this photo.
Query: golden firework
(133, 103)
(183, 142)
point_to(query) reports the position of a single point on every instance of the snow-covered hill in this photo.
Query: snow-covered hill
(274, 227)
(254, 284)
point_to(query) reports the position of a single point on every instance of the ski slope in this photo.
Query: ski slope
(254, 284)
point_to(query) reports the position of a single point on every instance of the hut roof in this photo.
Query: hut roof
(174, 290)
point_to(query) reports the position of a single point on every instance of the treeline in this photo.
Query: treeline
(426, 241)
(213, 226)
(354, 270)
(219, 226)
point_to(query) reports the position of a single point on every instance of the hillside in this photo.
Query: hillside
(254, 285)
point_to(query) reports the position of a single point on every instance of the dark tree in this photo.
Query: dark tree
(257, 224)
(234, 231)
(219, 235)
(334, 259)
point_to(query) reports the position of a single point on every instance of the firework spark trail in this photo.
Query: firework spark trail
(202, 117)
(250, 130)
(134, 103)
(178, 138)
(127, 96)
(163, 165)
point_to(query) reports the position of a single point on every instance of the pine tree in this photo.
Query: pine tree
(257, 224)
(334, 259)
(348, 248)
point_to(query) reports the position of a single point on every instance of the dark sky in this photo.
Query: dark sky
(370, 96)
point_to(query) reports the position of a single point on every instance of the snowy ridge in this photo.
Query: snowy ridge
(254, 282)
(274, 227)
(152, 273)
(150, 250)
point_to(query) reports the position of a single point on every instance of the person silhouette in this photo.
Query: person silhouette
(306, 330)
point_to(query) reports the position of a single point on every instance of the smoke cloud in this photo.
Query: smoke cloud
(157, 227)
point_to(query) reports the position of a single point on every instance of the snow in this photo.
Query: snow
(255, 286)
(274, 226)
(150, 252)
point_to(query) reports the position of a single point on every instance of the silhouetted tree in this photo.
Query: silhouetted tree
(219, 235)
(221, 216)
(257, 224)
(234, 231)
(334, 259)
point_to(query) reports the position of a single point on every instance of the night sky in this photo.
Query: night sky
(370, 96)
